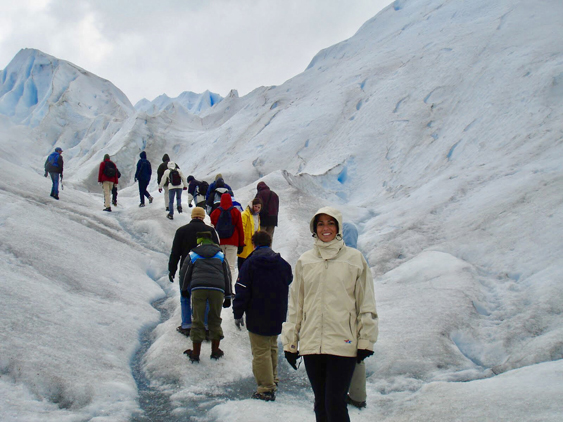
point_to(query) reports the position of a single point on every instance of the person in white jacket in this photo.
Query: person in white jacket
(332, 319)
(176, 182)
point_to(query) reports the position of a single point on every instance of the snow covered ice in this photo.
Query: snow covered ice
(436, 129)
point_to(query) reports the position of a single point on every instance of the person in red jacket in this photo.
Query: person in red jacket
(107, 176)
(231, 237)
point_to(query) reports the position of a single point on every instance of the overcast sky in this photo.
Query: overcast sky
(148, 47)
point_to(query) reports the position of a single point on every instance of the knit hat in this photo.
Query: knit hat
(190, 178)
(106, 157)
(204, 237)
(219, 176)
(198, 212)
(59, 150)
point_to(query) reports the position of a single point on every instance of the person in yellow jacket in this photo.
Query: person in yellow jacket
(332, 319)
(250, 224)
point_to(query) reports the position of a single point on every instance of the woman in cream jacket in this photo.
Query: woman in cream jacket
(332, 320)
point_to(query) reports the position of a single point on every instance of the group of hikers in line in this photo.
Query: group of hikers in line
(324, 308)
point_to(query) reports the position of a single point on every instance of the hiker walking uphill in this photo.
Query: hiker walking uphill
(54, 167)
(206, 274)
(143, 176)
(197, 191)
(270, 208)
(261, 293)
(185, 240)
(227, 221)
(331, 320)
(107, 176)
(250, 225)
(159, 173)
(216, 189)
(176, 183)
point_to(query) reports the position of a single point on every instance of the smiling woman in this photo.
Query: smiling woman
(332, 320)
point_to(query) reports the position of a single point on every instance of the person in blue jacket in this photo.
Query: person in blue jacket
(143, 176)
(54, 167)
(262, 291)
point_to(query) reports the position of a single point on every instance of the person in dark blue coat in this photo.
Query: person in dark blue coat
(143, 176)
(262, 291)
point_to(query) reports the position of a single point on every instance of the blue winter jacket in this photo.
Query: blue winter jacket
(262, 291)
(144, 170)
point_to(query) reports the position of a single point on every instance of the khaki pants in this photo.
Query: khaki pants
(107, 187)
(230, 252)
(264, 361)
(358, 384)
(166, 198)
(269, 229)
(200, 297)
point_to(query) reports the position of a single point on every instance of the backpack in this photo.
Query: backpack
(202, 188)
(225, 227)
(175, 178)
(53, 162)
(110, 170)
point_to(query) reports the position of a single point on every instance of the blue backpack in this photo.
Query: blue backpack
(53, 162)
(225, 227)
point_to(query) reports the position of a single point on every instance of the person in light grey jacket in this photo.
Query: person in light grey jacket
(332, 318)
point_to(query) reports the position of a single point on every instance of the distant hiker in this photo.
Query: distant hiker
(185, 240)
(54, 167)
(143, 176)
(332, 319)
(197, 191)
(107, 176)
(216, 189)
(206, 274)
(175, 180)
(114, 190)
(270, 208)
(227, 221)
(159, 173)
(250, 225)
(262, 290)
(357, 392)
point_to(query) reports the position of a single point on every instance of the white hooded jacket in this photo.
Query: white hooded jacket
(332, 301)
(166, 177)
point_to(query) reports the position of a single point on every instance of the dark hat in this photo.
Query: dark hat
(58, 149)
(190, 178)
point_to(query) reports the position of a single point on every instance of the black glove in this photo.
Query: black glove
(45, 173)
(239, 322)
(240, 249)
(227, 303)
(171, 277)
(190, 205)
(292, 358)
(362, 354)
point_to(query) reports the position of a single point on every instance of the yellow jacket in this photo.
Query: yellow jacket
(249, 229)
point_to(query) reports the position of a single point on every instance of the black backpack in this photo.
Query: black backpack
(225, 227)
(175, 178)
(110, 170)
(202, 188)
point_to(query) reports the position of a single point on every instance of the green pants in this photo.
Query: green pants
(264, 361)
(200, 297)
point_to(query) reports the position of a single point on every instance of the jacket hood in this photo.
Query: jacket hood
(226, 201)
(165, 158)
(333, 212)
(207, 250)
(171, 165)
(262, 186)
(265, 257)
(143, 155)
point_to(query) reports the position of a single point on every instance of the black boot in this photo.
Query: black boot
(216, 353)
(193, 354)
